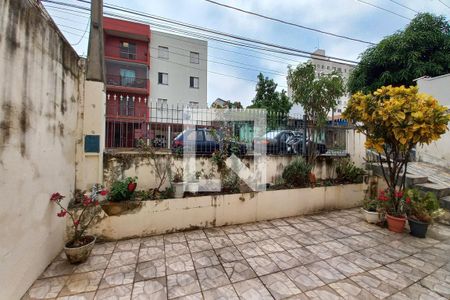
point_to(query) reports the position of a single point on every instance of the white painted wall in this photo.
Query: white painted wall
(40, 92)
(437, 152)
(179, 68)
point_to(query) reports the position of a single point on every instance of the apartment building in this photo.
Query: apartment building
(324, 65)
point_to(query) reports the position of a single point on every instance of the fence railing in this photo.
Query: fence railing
(284, 133)
(126, 81)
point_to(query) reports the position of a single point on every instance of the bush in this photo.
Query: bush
(423, 206)
(296, 174)
(346, 171)
(120, 191)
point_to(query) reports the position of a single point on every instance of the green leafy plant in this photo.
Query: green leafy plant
(424, 206)
(347, 171)
(296, 174)
(230, 183)
(120, 189)
(371, 204)
(394, 203)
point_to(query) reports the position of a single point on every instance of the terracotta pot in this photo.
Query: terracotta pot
(372, 217)
(132, 186)
(395, 224)
(76, 255)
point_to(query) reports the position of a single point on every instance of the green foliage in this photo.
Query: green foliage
(230, 183)
(119, 189)
(424, 206)
(371, 204)
(296, 174)
(346, 171)
(269, 98)
(422, 48)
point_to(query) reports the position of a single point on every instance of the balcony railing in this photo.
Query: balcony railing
(124, 81)
(120, 52)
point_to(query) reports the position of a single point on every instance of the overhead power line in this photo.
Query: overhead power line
(289, 23)
(404, 6)
(443, 3)
(384, 9)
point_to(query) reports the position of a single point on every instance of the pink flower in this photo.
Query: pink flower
(103, 192)
(87, 201)
(62, 213)
(56, 197)
(408, 200)
(76, 222)
(96, 202)
(398, 195)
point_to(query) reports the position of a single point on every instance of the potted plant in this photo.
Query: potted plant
(79, 247)
(178, 183)
(370, 210)
(121, 191)
(423, 208)
(395, 206)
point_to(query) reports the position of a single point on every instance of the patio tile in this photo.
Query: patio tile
(224, 292)
(58, 268)
(407, 271)
(264, 224)
(199, 245)
(178, 264)
(257, 235)
(303, 255)
(118, 292)
(391, 277)
(123, 258)
(150, 269)
(278, 222)
(373, 285)
(304, 239)
(103, 248)
(83, 296)
(151, 253)
(152, 241)
(319, 236)
(416, 292)
(175, 238)
(337, 247)
(438, 282)
(182, 284)
(262, 265)
(351, 291)
(232, 229)
(127, 245)
(329, 222)
(393, 252)
(117, 276)
(404, 246)
(323, 293)
(205, 259)
(321, 251)
(344, 266)
(212, 277)
(249, 227)
(347, 230)
(305, 226)
(273, 232)
(214, 232)
(195, 235)
(288, 230)
(175, 249)
(431, 258)
(239, 270)
(228, 254)
(325, 272)
(279, 285)
(252, 289)
(378, 256)
(269, 246)
(94, 262)
(287, 242)
(239, 238)
(336, 234)
(218, 242)
(46, 288)
(80, 283)
(150, 289)
(250, 250)
(304, 279)
(195, 296)
(362, 261)
(284, 260)
(417, 263)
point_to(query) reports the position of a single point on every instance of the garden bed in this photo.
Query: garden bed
(170, 215)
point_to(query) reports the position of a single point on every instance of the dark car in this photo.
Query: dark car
(204, 141)
(285, 142)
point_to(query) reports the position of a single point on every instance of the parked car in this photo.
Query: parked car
(285, 142)
(204, 141)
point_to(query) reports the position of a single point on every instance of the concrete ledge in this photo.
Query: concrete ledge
(170, 215)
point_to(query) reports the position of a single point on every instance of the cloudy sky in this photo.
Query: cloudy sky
(352, 18)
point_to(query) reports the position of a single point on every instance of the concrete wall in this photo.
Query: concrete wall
(40, 90)
(157, 217)
(179, 68)
(437, 152)
(117, 166)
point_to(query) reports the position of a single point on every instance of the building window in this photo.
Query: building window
(127, 50)
(163, 52)
(163, 78)
(339, 70)
(323, 66)
(127, 77)
(193, 82)
(339, 110)
(193, 104)
(194, 58)
(334, 68)
(161, 103)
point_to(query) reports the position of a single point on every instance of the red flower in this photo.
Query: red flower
(383, 197)
(103, 192)
(87, 201)
(56, 197)
(62, 213)
(398, 195)
(76, 222)
(408, 200)
(96, 203)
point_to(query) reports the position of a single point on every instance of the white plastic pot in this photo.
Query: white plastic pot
(372, 217)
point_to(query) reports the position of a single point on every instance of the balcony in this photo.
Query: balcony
(122, 53)
(127, 77)
(125, 81)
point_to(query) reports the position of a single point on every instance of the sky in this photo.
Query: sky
(344, 17)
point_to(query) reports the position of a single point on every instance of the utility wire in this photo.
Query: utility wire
(443, 3)
(404, 6)
(288, 22)
(384, 9)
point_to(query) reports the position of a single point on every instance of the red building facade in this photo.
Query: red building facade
(127, 61)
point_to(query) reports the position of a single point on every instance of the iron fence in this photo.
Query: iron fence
(284, 133)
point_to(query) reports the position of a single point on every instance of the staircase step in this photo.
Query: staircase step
(439, 190)
(412, 179)
(445, 202)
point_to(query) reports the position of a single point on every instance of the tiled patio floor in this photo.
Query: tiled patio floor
(333, 255)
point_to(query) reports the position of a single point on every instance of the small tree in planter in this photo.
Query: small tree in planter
(395, 120)
(423, 209)
(178, 182)
(79, 247)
